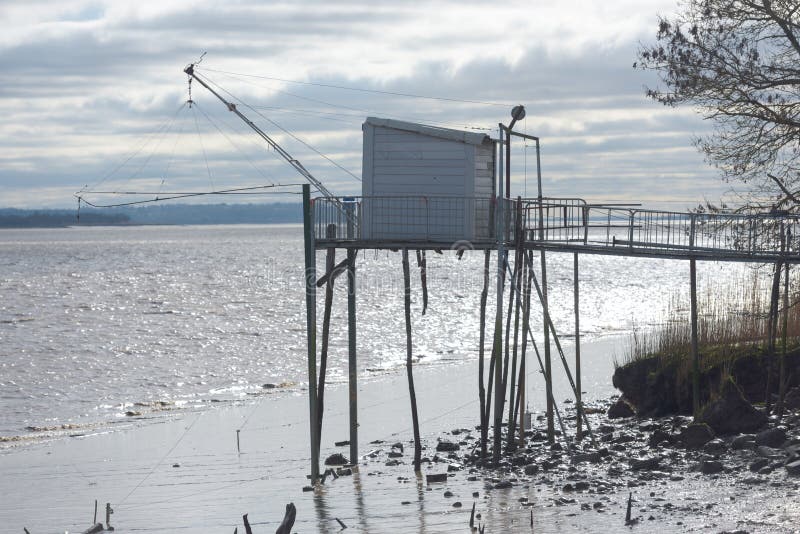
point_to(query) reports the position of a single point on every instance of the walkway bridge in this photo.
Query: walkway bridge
(556, 224)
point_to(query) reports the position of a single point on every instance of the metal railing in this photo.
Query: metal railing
(444, 219)
(554, 221)
(574, 221)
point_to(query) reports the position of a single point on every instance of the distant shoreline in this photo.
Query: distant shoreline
(161, 214)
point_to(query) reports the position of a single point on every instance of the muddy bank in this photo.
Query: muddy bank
(679, 476)
(659, 385)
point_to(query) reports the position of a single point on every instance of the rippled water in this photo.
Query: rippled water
(94, 320)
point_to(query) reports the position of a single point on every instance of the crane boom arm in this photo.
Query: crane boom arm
(279, 149)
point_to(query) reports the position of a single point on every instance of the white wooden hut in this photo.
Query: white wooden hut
(424, 183)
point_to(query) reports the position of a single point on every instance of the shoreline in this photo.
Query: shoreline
(135, 413)
(185, 474)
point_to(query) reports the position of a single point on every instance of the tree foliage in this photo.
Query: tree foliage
(738, 62)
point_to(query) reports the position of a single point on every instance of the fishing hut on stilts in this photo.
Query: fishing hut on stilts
(431, 189)
(428, 189)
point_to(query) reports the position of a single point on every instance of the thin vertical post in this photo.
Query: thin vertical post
(351, 353)
(409, 362)
(527, 270)
(499, 394)
(695, 349)
(782, 381)
(311, 327)
(330, 262)
(578, 392)
(547, 362)
(481, 353)
(508, 162)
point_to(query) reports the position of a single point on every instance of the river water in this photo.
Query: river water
(99, 321)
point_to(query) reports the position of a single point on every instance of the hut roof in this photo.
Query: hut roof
(471, 138)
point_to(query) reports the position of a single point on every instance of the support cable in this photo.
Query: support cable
(284, 130)
(363, 90)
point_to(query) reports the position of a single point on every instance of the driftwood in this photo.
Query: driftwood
(285, 526)
(288, 520)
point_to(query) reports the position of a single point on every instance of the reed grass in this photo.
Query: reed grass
(732, 320)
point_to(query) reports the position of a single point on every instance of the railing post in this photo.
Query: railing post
(585, 210)
(691, 230)
(630, 229)
(349, 210)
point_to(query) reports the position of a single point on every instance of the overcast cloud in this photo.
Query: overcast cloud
(89, 87)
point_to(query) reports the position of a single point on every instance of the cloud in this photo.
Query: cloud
(86, 83)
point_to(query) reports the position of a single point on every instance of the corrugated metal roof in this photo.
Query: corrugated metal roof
(471, 138)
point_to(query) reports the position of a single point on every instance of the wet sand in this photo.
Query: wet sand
(182, 473)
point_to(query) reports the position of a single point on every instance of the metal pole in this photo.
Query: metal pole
(508, 161)
(547, 362)
(351, 356)
(578, 346)
(695, 350)
(311, 327)
(499, 394)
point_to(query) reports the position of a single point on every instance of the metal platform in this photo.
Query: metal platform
(555, 224)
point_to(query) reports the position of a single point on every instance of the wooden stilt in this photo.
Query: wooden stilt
(579, 393)
(352, 368)
(481, 350)
(549, 325)
(547, 362)
(311, 328)
(489, 387)
(773, 331)
(517, 291)
(507, 357)
(695, 348)
(330, 262)
(498, 322)
(782, 379)
(526, 314)
(409, 363)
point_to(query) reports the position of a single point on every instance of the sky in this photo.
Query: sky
(94, 97)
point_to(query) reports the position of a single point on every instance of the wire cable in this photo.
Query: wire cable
(183, 435)
(284, 130)
(175, 195)
(165, 127)
(237, 147)
(361, 89)
(203, 148)
(360, 111)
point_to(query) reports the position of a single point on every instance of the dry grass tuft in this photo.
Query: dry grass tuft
(732, 318)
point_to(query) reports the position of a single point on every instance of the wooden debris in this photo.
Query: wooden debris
(288, 520)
